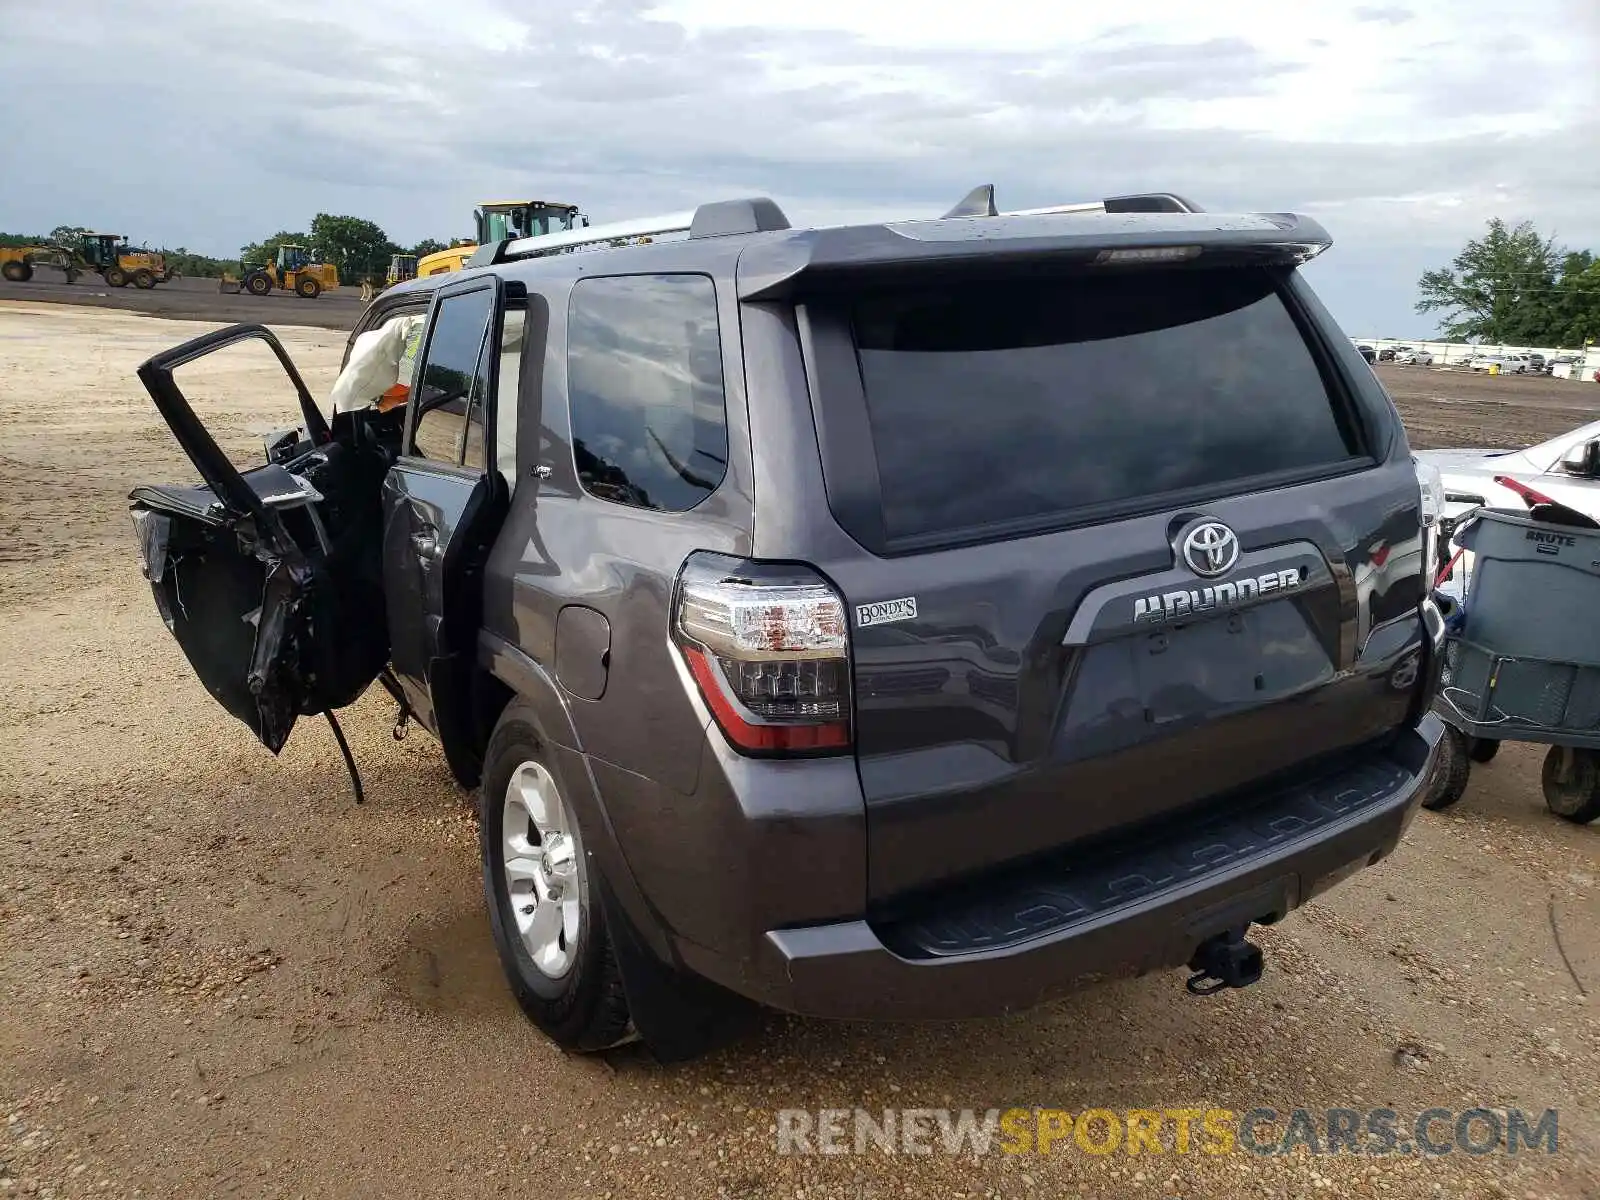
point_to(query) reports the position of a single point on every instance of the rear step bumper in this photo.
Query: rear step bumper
(1044, 931)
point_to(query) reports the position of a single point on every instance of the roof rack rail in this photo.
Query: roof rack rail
(1143, 202)
(720, 218)
(979, 202)
(1151, 202)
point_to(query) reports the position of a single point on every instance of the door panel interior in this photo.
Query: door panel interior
(270, 579)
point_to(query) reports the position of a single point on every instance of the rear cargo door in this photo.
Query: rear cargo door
(1112, 523)
(443, 501)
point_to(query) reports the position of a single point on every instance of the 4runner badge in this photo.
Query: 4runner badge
(1167, 606)
(885, 611)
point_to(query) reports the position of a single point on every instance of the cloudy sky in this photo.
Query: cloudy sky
(1401, 124)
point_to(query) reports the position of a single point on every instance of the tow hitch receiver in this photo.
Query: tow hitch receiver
(1224, 961)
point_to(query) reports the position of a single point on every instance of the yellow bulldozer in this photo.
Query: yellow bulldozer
(295, 269)
(496, 220)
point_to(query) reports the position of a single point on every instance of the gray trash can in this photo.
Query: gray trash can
(1526, 665)
(1535, 589)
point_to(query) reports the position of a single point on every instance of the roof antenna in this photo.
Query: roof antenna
(979, 202)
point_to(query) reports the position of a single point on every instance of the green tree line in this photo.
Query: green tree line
(1515, 286)
(358, 247)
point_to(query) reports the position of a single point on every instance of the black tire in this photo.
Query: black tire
(307, 288)
(1455, 770)
(1572, 794)
(116, 277)
(143, 279)
(16, 271)
(584, 1008)
(1483, 750)
(257, 284)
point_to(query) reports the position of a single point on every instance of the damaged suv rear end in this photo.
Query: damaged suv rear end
(894, 620)
(1131, 543)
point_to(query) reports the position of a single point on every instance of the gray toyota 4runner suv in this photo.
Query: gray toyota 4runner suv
(895, 620)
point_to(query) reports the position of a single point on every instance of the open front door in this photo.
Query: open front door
(443, 502)
(266, 574)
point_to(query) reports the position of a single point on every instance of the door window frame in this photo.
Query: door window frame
(534, 309)
(216, 468)
(497, 307)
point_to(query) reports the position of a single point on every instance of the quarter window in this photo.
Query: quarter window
(644, 373)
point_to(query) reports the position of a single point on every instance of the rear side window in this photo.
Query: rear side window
(644, 376)
(994, 403)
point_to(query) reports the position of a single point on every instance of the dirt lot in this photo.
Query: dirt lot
(218, 977)
(1458, 408)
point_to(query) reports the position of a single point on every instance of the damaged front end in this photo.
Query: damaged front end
(270, 579)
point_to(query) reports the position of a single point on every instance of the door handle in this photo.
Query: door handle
(426, 541)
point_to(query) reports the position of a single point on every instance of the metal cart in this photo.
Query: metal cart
(1522, 662)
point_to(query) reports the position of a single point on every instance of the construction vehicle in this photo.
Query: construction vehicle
(401, 268)
(120, 264)
(18, 262)
(497, 220)
(295, 269)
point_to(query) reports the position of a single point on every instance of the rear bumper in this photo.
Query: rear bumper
(1043, 931)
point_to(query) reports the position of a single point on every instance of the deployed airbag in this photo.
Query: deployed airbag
(380, 360)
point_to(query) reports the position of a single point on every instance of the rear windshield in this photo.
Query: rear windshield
(1006, 402)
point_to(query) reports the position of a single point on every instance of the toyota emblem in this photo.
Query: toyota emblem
(1210, 549)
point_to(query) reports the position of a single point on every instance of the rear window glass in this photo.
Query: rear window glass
(997, 403)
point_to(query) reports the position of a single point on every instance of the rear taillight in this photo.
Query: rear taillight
(769, 649)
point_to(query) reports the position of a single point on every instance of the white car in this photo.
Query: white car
(1566, 469)
(1413, 358)
(1510, 364)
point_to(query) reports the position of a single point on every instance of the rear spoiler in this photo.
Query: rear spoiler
(1106, 237)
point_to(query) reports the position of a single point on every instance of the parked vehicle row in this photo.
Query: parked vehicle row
(1404, 356)
(1510, 364)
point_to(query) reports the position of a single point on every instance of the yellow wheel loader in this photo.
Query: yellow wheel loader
(295, 269)
(496, 220)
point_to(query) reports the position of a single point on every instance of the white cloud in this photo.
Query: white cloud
(1403, 124)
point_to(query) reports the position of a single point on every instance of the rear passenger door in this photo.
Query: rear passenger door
(444, 501)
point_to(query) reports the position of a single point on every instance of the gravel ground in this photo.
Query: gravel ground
(219, 977)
